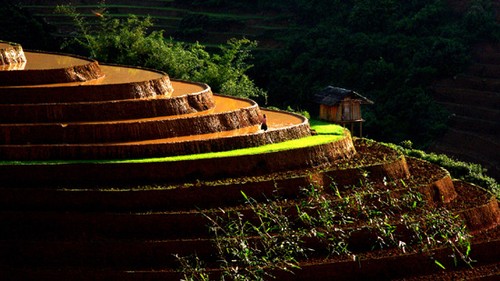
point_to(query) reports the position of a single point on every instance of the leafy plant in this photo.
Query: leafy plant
(249, 250)
(192, 268)
(272, 235)
(127, 41)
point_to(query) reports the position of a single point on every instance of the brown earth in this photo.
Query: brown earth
(102, 234)
(84, 220)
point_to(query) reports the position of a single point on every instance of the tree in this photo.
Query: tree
(390, 51)
(127, 41)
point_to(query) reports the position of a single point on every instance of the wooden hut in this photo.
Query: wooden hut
(341, 106)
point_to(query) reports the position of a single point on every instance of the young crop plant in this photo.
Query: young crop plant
(326, 221)
(276, 234)
(251, 245)
(192, 268)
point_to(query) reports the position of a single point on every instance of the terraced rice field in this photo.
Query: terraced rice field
(473, 98)
(91, 187)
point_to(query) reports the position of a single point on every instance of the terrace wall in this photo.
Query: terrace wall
(130, 130)
(106, 110)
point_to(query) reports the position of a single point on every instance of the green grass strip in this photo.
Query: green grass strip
(326, 133)
(325, 128)
(269, 148)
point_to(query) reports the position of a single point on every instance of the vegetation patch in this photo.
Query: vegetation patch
(269, 148)
(253, 245)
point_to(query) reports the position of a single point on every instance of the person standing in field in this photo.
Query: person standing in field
(263, 125)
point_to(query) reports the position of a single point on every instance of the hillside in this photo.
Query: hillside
(299, 69)
(209, 24)
(473, 98)
(114, 172)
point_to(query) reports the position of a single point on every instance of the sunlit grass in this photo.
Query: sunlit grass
(275, 147)
(326, 133)
(326, 128)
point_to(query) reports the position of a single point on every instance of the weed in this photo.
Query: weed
(271, 236)
(192, 268)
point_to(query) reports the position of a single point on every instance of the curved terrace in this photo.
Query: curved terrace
(114, 172)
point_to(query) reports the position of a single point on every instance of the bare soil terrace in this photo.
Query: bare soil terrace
(125, 220)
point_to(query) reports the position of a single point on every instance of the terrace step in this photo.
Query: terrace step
(160, 221)
(133, 256)
(168, 16)
(491, 165)
(53, 70)
(11, 56)
(471, 142)
(475, 96)
(488, 272)
(120, 82)
(485, 128)
(386, 265)
(480, 214)
(246, 137)
(473, 100)
(185, 223)
(382, 263)
(471, 111)
(189, 98)
(245, 114)
(148, 172)
(206, 194)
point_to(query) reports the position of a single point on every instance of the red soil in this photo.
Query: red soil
(106, 225)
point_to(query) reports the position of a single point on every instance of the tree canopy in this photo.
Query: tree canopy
(390, 51)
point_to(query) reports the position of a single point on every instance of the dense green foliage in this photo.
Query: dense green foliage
(127, 41)
(389, 51)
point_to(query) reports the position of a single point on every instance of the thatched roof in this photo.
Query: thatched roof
(333, 95)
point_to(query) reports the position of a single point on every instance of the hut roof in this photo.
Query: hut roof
(333, 95)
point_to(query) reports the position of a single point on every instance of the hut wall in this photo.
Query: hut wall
(348, 110)
(329, 113)
(356, 111)
(351, 110)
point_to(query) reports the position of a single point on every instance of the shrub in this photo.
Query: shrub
(127, 41)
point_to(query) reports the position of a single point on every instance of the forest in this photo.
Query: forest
(389, 51)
